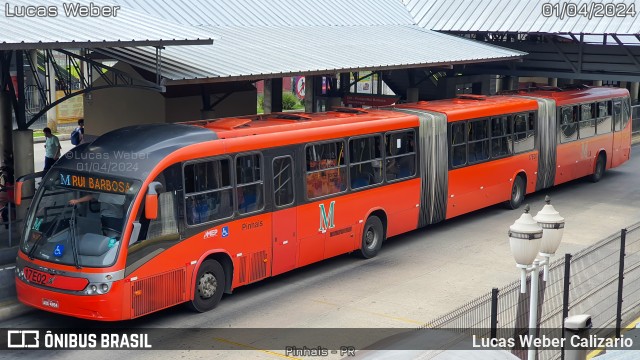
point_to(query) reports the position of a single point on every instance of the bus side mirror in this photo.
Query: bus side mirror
(151, 201)
(17, 195)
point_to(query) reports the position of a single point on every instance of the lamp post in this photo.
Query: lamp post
(529, 236)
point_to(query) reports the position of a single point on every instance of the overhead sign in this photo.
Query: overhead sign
(95, 183)
(369, 99)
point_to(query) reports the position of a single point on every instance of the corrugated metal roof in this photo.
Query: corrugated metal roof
(521, 16)
(268, 51)
(128, 28)
(276, 12)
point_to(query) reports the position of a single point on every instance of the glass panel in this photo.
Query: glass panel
(283, 181)
(325, 156)
(617, 114)
(458, 134)
(520, 123)
(478, 130)
(604, 125)
(501, 146)
(325, 182)
(249, 198)
(587, 128)
(209, 206)
(459, 155)
(248, 169)
(501, 126)
(602, 109)
(478, 151)
(568, 125)
(208, 175)
(401, 167)
(399, 143)
(365, 149)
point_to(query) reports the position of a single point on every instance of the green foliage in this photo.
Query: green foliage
(290, 101)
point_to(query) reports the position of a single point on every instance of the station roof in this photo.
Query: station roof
(128, 28)
(259, 52)
(520, 17)
(261, 39)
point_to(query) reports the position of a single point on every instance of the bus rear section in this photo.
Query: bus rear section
(593, 130)
(485, 151)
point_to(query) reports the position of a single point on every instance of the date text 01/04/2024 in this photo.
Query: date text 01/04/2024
(588, 10)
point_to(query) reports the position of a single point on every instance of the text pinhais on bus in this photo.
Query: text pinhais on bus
(150, 216)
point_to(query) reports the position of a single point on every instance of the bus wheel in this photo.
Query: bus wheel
(598, 172)
(210, 283)
(517, 193)
(372, 237)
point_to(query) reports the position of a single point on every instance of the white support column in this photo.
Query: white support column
(552, 82)
(597, 83)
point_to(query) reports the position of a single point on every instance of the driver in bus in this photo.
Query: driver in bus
(111, 211)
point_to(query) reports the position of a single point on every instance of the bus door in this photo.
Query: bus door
(284, 218)
(620, 138)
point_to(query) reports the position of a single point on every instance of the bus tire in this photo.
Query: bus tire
(372, 237)
(518, 191)
(598, 171)
(210, 284)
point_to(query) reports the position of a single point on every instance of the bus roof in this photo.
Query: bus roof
(226, 128)
(143, 145)
(579, 94)
(474, 106)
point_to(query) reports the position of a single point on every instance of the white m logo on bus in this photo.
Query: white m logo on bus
(326, 219)
(65, 181)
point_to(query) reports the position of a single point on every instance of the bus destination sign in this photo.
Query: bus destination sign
(95, 183)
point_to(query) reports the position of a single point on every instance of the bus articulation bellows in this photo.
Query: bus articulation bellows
(150, 216)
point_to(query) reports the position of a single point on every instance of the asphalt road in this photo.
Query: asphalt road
(417, 276)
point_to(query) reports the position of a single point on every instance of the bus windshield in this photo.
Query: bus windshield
(78, 219)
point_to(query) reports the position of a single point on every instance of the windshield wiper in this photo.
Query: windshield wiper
(72, 233)
(52, 230)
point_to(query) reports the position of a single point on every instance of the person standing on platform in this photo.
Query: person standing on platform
(52, 149)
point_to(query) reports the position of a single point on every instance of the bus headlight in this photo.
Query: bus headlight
(97, 288)
(20, 273)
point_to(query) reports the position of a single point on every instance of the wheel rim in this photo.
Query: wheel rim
(370, 238)
(207, 285)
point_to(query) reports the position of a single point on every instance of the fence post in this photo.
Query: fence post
(623, 239)
(494, 313)
(565, 296)
(9, 213)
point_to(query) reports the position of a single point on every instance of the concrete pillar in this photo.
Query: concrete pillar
(635, 87)
(6, 126)
(564, 82)
(597, 83)
(273, 95)
(413, 94)
(23, 165)
(552, 82)
(309, 96)
(52, 117)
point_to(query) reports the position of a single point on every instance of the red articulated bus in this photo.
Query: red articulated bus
(150, 216)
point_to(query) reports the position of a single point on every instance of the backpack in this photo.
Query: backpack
(75, 136)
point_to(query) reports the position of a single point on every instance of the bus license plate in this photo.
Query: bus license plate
(36, 276)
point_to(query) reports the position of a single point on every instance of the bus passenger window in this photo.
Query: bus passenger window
(458, 145)
(249, 191)
(401, 155)
(326, 169)
(208, 191)
(587, 126)
(568, 124)
(365, 161)
(501, 136)
(283, 181)
(617, 114)
(626, 112)
(478, 141)
(524, 128)
(604, 121)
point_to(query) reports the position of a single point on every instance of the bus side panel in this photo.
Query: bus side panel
(594, 146)
(477, 186)
(621, 146)
(567, 161)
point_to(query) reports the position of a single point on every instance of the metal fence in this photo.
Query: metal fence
(635, 114)
(602, 280)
